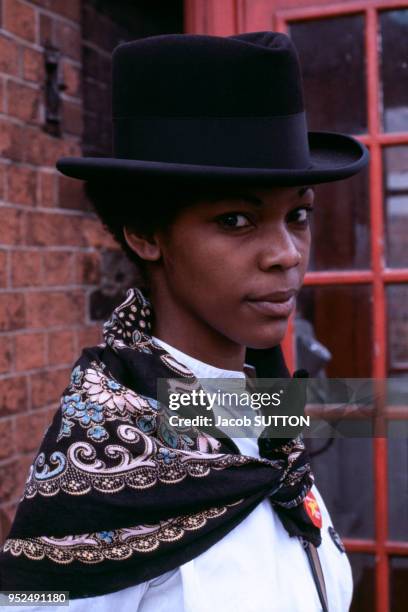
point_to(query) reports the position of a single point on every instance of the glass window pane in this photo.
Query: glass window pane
(397, 317)
(340, 225)
(363, 567)
(332, 58)
(343, 470)
(399, 584)
(398, 488)
(395, 160)
(394, 69)
(333, 330)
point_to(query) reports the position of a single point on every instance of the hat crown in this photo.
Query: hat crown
(215, 109)
(178, 75)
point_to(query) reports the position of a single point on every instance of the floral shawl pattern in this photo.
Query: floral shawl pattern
(115, 496)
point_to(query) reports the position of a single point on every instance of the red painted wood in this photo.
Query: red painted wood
(338, 277)
(379, 333)
(210, 17)
(355, 277)
(390, 413)
(370, 546)
(293, 10)
(256, 15)
(399, 275)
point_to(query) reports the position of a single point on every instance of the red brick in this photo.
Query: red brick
(30, 351)
(47, 229)
(12, 315)
(51, 411)
(3, 269)
(43, 149)
(88, 268)
(69, 39)
(58, 268)
(22, 185)
(71, 79)
(2, 179)
(71, 147)
(94, 97)
(8, 56)
(71, 9)
(33, 65)
(46, 188)
(89, 336)
(95, 235)
(61, 347)
(7, 514)
(72, 118)
(46, 30)
(30, 430)
(11, 141)
(91, 62)
(2, 104)
(47, 308)
(68, 8)
(19, 18)
(99, 28)
(7, 447)
(71, 193)
(8, 480)
(26, 269)
(11, 226)
(6, 354)
(23, 101)
(93, 131)
(47, 386)
(13, 395)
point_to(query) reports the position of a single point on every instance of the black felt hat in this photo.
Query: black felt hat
(210, 108)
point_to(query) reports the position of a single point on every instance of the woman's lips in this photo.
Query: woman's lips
(274, 308)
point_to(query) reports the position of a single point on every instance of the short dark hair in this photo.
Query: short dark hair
(144, 206)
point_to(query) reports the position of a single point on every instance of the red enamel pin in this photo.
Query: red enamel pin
(312, 509)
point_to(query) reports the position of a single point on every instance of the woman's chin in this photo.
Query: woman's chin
(268, 335)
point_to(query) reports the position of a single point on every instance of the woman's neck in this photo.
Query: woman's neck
(194, 337)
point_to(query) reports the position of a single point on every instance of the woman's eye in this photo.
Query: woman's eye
(234, 220)
(301, 215)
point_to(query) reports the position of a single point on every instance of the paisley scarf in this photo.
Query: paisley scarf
(114, 497)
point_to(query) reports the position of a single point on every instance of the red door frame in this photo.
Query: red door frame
(233, 16)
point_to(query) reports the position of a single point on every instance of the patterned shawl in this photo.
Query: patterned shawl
(115, 497)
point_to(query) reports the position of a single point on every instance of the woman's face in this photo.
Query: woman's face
(234, 265)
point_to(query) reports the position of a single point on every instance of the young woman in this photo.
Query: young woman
(210, 192)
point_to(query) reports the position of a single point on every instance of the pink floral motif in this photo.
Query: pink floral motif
(112, 395)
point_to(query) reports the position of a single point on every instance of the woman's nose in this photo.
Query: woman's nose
(280, 251)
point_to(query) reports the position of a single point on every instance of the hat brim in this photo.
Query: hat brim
(334, 156)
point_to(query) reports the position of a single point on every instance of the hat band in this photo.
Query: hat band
(242, 142)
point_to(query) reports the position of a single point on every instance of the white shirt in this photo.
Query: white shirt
(256, 567)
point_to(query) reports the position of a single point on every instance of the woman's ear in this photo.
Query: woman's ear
(147, 249)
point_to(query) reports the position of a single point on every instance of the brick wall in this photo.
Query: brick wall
(50, 242)
(60, 272)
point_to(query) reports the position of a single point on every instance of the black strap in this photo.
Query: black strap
(317, 572)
